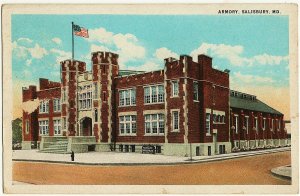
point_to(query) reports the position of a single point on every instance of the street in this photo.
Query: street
(254, 170)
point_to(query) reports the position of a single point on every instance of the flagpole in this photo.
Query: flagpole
(72, 41)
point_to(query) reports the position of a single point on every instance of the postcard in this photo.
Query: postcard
(150, 98)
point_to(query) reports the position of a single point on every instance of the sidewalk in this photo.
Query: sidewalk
(283, 172)
(118, 158)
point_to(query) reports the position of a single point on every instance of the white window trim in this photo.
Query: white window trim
(157, 93)
(157, 124)
(173, 84)
(130, 97)
(247, 124)
(55, 125)
(236, 124)
(27, 126)
(172, 120)
(256, 123)
(81, 99)
(42, 103)
(130, 122)
(207, 129)
(44, 120)
(264, 123)
(58, 105)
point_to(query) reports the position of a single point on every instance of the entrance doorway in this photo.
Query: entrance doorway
(86, 126)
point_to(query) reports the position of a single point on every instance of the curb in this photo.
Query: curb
(185, 162)
(278, 174)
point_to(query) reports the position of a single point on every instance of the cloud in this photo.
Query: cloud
(95, 48)
(25, 39)
(57, 40)
(240, 78)
(61, 55)
(126, 45)
(30, 106)
(36, 52)
(148, 66)
(266, 59)
(163, 53)
(234, 54)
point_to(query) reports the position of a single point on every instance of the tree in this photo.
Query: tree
(17, 130)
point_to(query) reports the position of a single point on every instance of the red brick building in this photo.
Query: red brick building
(186, 107)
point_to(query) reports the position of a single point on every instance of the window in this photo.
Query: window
(175, 120)
(154, 124)
(27, 127)
(272, 125)
(276, 123)
(95, 90)
(214, 118)
(256, 124)
(264, 123)
(236, 123)
(247, 124)
(63, 95)
(56, 105)
(127, 97)
(196, 91)
(104, 96)
(44, 106)
(174, 88)
(85, 97)
(64, 122)
(43, 127)
(207, 123)
(223, 118)
(96, 115)
(57, 127)
(127, 125)
(154, 94)
(279, 124)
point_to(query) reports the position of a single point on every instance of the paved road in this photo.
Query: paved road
(247, 171)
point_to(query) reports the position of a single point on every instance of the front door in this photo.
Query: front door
(87, 126)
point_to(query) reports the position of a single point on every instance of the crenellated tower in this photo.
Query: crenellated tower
(104, 69)
(70, 69)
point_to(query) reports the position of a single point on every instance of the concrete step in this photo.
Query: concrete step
(60, 146)
(55, 152)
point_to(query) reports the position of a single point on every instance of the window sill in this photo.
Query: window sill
(43, 112)
(123, 106)
(154, 103)
(196, 101)
(175, 131)
(128, 135)
(154, 134)
(56, 111)
(85, 109)
(174, 97)
(218, 123)
(207, 134)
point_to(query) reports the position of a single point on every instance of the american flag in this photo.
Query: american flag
(80, 31)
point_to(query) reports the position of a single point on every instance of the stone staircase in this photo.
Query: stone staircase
(59, 146)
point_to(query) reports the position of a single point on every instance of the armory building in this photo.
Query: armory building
(186, 106)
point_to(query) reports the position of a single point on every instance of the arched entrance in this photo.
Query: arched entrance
(86, 126)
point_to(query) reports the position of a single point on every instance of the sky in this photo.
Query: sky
(254, 48)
